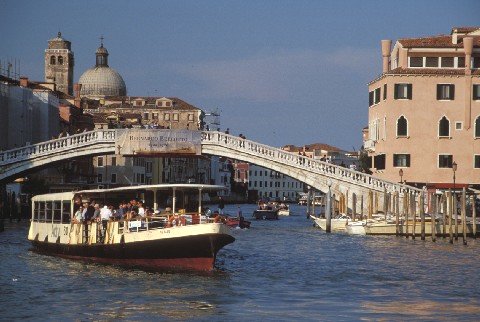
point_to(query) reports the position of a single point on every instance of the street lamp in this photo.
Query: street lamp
(400, 173)
(454, 168)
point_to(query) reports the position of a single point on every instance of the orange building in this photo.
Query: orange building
(424, 111)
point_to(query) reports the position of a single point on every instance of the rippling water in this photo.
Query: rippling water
(283, 270)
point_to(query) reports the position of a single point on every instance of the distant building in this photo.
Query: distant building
(269, 184)
(325, 152)
(424, 111)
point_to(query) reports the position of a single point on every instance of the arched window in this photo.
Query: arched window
(444, 127)
(60, 60)
(402, 126)
(477, 127)
(52, 60)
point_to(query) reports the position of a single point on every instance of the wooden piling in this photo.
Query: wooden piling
(445, 207)
(361, 207)
(455, 214)
(385, 204)
(413, 204)
(328, 212)
(474, 218)
(434, 217)
(421, 201)
(464, 215)
(370, 204)
(407, 212)
(354, 206)
(396, 208)
(450, 212)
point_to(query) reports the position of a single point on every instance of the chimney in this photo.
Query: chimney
(386, 44)
(23, 81)
(76, 89)
(468, 47)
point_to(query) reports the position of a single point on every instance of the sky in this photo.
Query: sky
(279, 72)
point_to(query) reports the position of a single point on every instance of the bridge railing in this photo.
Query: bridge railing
(302, 162)
(56, 145)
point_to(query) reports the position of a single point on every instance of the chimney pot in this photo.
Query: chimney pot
(468, 47)
(386, 47)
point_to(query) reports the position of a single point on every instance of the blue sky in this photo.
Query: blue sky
(280, 72)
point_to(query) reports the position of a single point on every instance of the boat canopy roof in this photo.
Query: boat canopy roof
(152, 187)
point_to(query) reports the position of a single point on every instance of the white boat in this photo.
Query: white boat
(337, 224)
(180, 240)
(283, 210)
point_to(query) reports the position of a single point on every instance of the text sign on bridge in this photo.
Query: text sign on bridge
(150, 142)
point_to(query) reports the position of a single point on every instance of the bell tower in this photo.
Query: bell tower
(59, 62)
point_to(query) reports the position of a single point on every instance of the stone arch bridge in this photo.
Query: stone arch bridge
(315, 173)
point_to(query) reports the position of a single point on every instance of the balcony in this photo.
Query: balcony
(369, 145)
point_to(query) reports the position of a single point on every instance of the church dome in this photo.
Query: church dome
(101, 80)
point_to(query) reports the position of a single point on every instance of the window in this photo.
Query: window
(261, 183)
(370, 98)
(402, 126)
(477, 128)
(379, 161)
(476, 161)
(60, 60)
(447, 62)
(461, 62)
(100, 162)
(52, 60)
(113, 178)
(476, 92)
(458, 125)
(145, 116)
(99, 177)
(401, 160)
(384, 92)
(431, 62)
(403, 91)
(166, 117)
(191, 117)
(476, 62)
(114, 161)
(445, 91)
(444, 127)
(175, 117)
(377, 95)
(138, 103)
(416, 61)
(445, 161)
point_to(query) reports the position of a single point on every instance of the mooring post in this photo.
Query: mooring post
(370, 204)
(414, 214)
(474, 218)
(309, 196)
(385, 204)
(396, 209)
(406, 209)
(421, 201)
(313, 203)
(354, 206)
(445, 207)
(464, 215)
(450, 212)
(434, 216)
(328, 211)
(361, 207)
(455, 214)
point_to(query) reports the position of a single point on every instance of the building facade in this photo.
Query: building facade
(269, 184)
(424, 110)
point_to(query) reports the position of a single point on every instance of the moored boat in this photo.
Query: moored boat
(337, 224)
(171, 241)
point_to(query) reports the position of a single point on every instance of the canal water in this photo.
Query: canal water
(283, 270)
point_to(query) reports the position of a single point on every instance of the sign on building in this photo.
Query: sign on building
(143, 142)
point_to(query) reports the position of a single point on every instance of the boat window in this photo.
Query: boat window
(36, 210)
(48, 211)
(57, 211)
(66, 215)
(41, 211)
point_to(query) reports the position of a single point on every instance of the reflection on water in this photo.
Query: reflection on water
(277, 270)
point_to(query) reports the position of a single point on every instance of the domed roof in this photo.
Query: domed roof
(102, 81)
(102, 50)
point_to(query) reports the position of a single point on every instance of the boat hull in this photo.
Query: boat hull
(265, 214)
(284, 212)
(336, 224)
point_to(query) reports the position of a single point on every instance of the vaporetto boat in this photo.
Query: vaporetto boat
(175, 240)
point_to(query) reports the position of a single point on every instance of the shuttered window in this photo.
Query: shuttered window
(403, 91)
(385, 92)
(476, 92)
(445, 91)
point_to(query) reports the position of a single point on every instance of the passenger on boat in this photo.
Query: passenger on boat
(77, 218)
(96, 213)
(120, 212)
(141, 209)
(105, 214)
